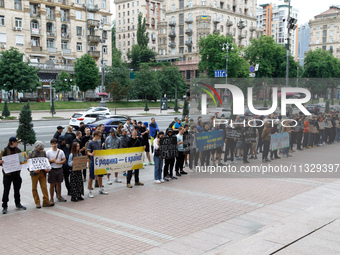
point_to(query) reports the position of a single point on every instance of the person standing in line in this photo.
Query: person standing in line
(306, 133)
(205, 155)
(180, 159)
(169, 162)
(82, 128)
(112, 142)
(8, 178)
(133, 142)
(104, 134)
(176, 126)
(145, 134)
(66, 169)
(78, 138)
(76, 180)
(69, 137)
(266, 142)
(93, 145)
(127, 125)
(57, 158)
(58, 132)
(83, 146)
(193, 159)
(157, 159)
(153, 132)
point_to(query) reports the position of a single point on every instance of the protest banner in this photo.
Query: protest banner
(209, 140)
(38, 164)
(279, 140)
(250, 135)
(168, 147)
(118, 160)
(233, 133)
(186, 143)
(79, 163)
(11, 163)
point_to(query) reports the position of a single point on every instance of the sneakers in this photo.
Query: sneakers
(124, 174)
(157, 182)
(38, 206)
(49, 204)
(80, 198)
(183, 172)
(20, 207)
(129, 185)
(90, 195)
(174, 177)
(109, 182)
(118, 181)
(151, 163)
(102, 192)
(52, 201)
(178, 174)
(186, 164)
(73, 199)
(139, 184)
(4, 210)
(166, 179)
(162, 180)
(144, 163)
(251, 157)
(61, 199)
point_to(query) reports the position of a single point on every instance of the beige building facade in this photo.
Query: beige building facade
(324, 31)
(53, 34)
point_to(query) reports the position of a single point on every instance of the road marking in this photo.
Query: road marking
(96, 225)
(119, 223)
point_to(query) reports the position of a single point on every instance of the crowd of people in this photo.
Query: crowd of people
(305, 132)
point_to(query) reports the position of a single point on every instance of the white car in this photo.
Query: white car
(220, 111)
(103, 110)
(86, 117)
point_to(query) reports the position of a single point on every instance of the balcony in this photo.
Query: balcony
(188, 43)
(172, 45)
(93, 8)
(65, 19)
(52, 66)
(216, 30)
(52, 50)
(172, 34)
(94, 53)
(229, 23)
(241, 36)
(36, 48)
(35, 15)
(188, 21)
(94, 38)
(93, 23)
(66, 51)
(65, 35)
(188, 31)
(50, 17)
(172, 23)
(216, 20)
(50, 33)
(252, 28)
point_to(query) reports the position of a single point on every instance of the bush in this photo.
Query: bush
(146, 108)
(5, 111)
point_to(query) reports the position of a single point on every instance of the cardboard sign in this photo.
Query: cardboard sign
(11, 163)
(38, 164)
(250, 135)
(186, 143)
(209, 140)
(233, 133)
(279, 141)
(79, 163)
(321, 125)
(168, 147)
(118, 160)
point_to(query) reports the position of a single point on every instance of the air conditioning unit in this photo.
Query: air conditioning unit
(15, 28)
(79, 37)
(19, 28)
(3, 46)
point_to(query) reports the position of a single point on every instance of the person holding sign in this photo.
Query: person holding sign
(39, 176)
(112, 142)
(133, 142)
(11, 176)
(76, 180)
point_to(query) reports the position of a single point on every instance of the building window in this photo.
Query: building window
(181, 4)
(50, 43)
(35, 41)
(19, 39)
(78, 14)
(203, 2)
(17, 4)
(79, 31)
(79, 46)
(78, 1)
(103, 4)
(2, 3)
(91, 15)
(173, 7)
(105, 49)
(18, 22)
(215, 4)
(3, 38)
(104, 17)
(181, 18)
(64, 45)
(133, 4)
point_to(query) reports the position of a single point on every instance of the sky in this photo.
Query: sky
(307, 8)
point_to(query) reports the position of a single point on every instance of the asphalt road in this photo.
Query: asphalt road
(46, 129)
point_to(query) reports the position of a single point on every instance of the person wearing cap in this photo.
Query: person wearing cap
(8, 178)
(145, 134)
(39, 176)
(112, 142)
(58, 132)
(127, 126)
(57, 158)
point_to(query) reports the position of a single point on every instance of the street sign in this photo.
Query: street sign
(252, 69)
(219, 73)
(252, 75)
(256, 67)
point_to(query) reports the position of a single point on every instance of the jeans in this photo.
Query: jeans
(158, 167)
(41, 178)
(285, 151)
(7, 181)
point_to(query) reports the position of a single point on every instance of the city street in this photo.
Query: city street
(185, 216)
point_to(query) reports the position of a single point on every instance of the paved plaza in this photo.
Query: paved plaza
(186, 216)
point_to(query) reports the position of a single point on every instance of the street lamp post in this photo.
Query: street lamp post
(226, 48)
(102, 41)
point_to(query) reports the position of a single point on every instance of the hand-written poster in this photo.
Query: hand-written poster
(79, 163)
(168, 147)
(39, 163)
(11, 163)
(186, 143)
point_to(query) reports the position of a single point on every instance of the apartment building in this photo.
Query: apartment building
(52, 34)
(324, 31)
(127, 12)
(272, 17)
(303, 45)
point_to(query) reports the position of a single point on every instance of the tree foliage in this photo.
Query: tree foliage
(142, 35)
(146, 108)
(5, 111)
(117, 91)
(171, 78)
(52, 108)
(86, 73)
(214, 58)
(176, 105)
(15, 74)
(147, 83)
(25, 130)
(63, 82)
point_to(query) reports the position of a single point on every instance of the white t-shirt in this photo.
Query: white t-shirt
(51, 154)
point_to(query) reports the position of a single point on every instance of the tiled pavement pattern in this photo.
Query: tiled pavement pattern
(184, 216)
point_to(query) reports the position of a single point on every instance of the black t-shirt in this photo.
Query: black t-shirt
(93, 146)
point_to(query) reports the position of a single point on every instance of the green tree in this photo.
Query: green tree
(5, 111)
(146, 108)
(113, 36)
(52, 109)
(117, 91)
(327, 107)
(176, 105)
(86, 73)
(185, 108)
(147, 84)
(142, 35)
(63, 82)
(15, 74)
(25, 130)
(171, 78)
(214, 58)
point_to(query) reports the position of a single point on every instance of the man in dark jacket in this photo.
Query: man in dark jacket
(169, 162)
(10, 177)
(133, 142)
(58, 132)
(66, 169)
(69, 137)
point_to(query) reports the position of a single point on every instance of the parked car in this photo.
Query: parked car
(108, 123)
(313, 108)
(86, 117)
(97, 110)
(220, 111)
